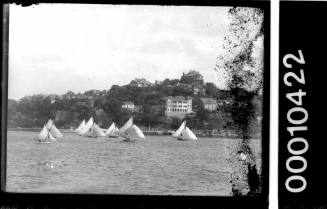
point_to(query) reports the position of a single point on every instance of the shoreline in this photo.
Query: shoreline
(147, 133)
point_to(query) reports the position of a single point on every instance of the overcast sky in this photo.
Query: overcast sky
(54, 48)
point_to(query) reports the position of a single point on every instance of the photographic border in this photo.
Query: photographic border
(141, 201)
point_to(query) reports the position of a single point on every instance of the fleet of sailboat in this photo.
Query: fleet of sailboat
(129, 131)
(184, 133)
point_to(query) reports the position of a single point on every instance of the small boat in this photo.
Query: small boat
(110, 132)
(94, 131)
(86, 128)
(80, 127)
(183, 133)
(45, 136)
(50, 126)
(130, 132)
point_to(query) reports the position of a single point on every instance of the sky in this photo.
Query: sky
(55, 48)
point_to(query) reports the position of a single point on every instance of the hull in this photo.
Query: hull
(42, 142)
(113, 136)
(91, 136)
(180, 139)
(129, 140)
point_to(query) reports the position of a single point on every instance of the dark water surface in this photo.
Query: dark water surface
(159, 165)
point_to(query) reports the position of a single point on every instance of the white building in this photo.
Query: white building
(210, 104)
(128, 106)
(178, 106)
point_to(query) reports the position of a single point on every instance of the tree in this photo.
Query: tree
(175, 123)
(211, 90)
(100, 102)
(201, 114)
(242, 67)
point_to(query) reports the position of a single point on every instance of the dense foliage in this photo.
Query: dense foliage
(150, 101)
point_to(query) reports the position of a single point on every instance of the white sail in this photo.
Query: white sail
(87, 127)
(111, 129)
(97, 130)
(43, 134)
(51, 137)
(135, 132)
(88, 132)
(49, 124)
(89, 122)
(178, 132)
(55, 132)
(81, 126)
(94, 131)
(126, 126)
(187, 134)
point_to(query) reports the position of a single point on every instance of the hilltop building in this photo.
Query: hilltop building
(191, 77)
(69, 95)
(139, 82)
(193, 80)
(93, 92)
(178, 106)
(53, 98)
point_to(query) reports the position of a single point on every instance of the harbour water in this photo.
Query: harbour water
(158, 165)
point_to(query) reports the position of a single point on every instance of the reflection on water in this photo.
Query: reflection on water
(158, 165)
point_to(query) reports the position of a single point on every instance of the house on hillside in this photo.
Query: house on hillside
(83, 102)
(223, 102)
(157, 83)
(138, 108)
(210, 104)
(178, 106)
(129, 106)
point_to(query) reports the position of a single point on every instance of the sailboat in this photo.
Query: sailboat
(50, 126)
(45, 136)
(94, 131)
(91, 129)
(80, 127)
(130, 131)
(86, 127)
(184, 133)
(110, 132)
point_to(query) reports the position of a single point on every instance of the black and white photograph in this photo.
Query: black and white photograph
(136, 100)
